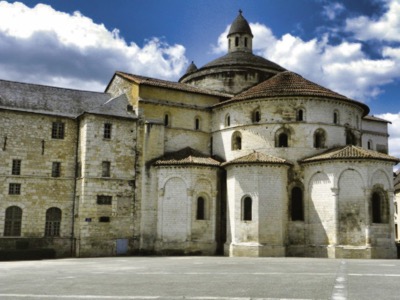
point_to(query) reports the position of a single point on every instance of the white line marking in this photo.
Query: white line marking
(340, 288)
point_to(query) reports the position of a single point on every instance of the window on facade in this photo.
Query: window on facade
(14, 189)
(197, 124)
(167, 121)
(236, 41)
(16, 167)
(53, 222)
(57, 131)
(379, 208)
(256, 116)
(296, 201)
(104, 219)
(319, 138)
(107, 131)
(300, 115)
(56, 169)
(247, 209)
(236, 141)
(13, 220)
(245, 42)
(350, 138)
(105, 169)
(201, 209)
(227, 120)
(335, 117)
(370, 145)
(283, 140)
(104, 200)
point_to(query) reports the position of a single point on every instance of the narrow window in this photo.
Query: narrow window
(335, 117)
(104, 219)
(227, 120)
(16, 167)
(256, 116)
(350, 138)
(104, 200)
(245, 42)
(319, 139)
(297, 210)
(236, 141)
(246, 211)
(107, 131)
(105, 169)
(56, 169)
(236, 41)
(53, 222)
(369, 144)
(13, 220)
(201, 209)
(197, 124)
(299, 115)
(229, 44)
(283, 140)
(57, 131)
(166, 120)
(376, 208)
(14, 189)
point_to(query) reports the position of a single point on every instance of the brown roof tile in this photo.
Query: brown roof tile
(257, 158)
(186, 156)
(351, 152)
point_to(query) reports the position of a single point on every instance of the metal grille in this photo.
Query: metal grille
(53, 222)
(57, 131)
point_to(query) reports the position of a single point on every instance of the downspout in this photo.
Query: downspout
(73, 242)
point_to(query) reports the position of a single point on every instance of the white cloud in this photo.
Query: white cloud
(386, 27)
(394, 132)
(75, 52)
(332, 10)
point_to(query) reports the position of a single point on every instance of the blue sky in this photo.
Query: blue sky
(351, 46)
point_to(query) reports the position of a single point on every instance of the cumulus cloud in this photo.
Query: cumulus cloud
(74, 51)
(385, 27)
(394, 132)
(332, 10)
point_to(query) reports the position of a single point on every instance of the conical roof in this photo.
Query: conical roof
(240, 25)
(192, 68)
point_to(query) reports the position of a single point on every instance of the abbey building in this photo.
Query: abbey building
(239, 157)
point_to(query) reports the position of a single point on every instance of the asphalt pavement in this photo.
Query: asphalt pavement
(200, 278)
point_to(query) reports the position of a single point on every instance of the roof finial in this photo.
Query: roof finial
(240, 11)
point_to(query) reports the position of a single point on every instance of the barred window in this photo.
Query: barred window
(104, 200)
(53, 222)
(14, 189)
(56, 169)
(16, 167)
(57, 131)
(107, 130)
(105, 166)
(13, 220)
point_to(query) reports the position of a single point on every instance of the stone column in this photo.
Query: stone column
(336, 233)
(367, 196)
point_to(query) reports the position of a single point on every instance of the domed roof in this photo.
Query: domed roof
(240, 25)
(243, 59)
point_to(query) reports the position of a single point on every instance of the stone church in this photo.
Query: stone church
(240, 157)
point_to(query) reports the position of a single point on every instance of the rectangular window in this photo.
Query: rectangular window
(14, 189)
(104, 200)
(57, 131)
(107, 130)
(56, 169)
(16, 167)
(105, 166)
(104, 219)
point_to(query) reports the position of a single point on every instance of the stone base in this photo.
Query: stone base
(254, 250)
(185, 248)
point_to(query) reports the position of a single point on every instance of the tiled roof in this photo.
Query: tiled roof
(373, 118)
(186, 156)
(48, 100)
(257, 158)
(117, 107)
(289, 84)
(169, 84)
(351, 152)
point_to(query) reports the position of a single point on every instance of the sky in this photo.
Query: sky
(349, 46)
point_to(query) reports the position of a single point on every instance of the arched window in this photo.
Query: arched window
(380, 209)
(370, 145)
(283, 140)
(197, 124)
(236, 41)
(256, 116)
(245, 42)
(319, 138)
(236, 141)
(167, 120)
(335, 117)
(227, 120)
(201, 209)
(296, 201)
(350, 138)
(53, 222)
(300, 115)
(13, 220)
(247, 209)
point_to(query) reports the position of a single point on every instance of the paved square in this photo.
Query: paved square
(200, 278)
